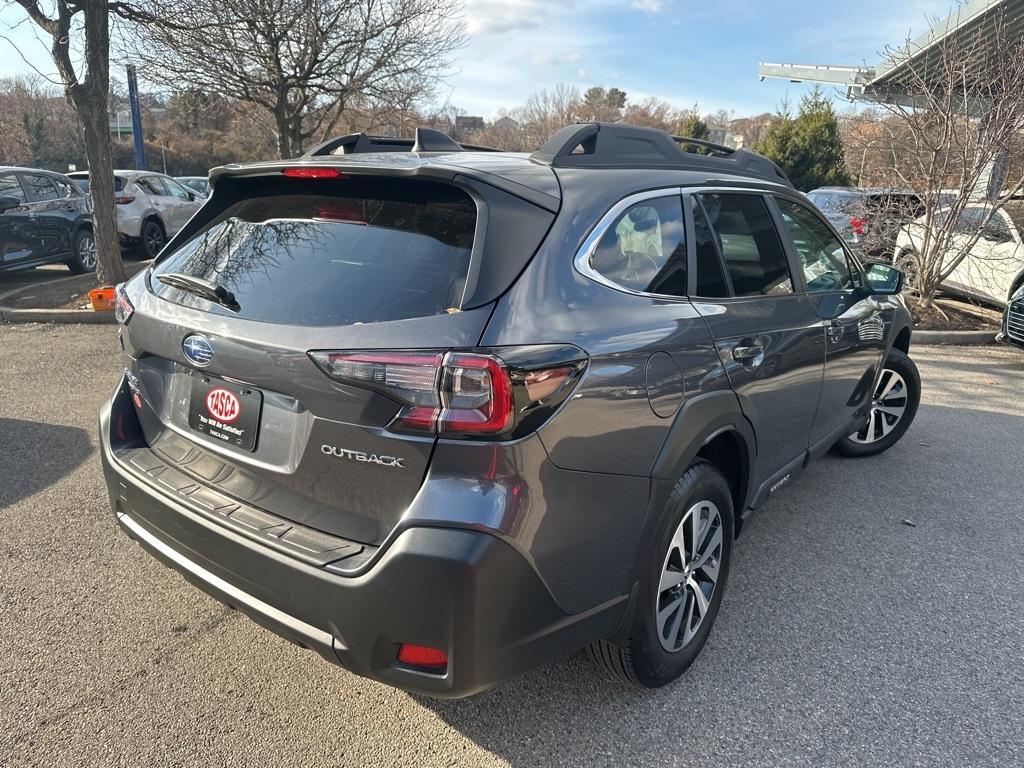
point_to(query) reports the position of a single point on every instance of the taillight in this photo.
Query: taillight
(124, 199)
(859, 225)
(476, 395)
(464, 394)
(123, 309)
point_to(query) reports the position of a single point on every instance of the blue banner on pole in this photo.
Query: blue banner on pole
(133, 102)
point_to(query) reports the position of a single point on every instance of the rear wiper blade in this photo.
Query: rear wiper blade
(210, 291)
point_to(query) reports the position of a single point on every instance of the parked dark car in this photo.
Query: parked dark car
(44, 219)
(868, 219)
(443, 415)
(1013, 319)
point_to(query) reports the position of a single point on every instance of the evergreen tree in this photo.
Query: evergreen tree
(692, 126)
(807, 147)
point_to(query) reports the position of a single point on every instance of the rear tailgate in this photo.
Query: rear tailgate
(345, 266)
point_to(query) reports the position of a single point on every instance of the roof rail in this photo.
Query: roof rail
(427, 140)
(613, 145)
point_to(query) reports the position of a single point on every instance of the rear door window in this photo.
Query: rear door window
(749, 243)
(40, 188)
(711, 282)
(355, 251)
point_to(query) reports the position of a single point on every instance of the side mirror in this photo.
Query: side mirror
(6, 203)
(884, 279)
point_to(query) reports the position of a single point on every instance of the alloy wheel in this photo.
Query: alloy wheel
(887, 408)
(87, 252)
(689, 576)
(154, 238)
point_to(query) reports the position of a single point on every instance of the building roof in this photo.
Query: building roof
(888, 80)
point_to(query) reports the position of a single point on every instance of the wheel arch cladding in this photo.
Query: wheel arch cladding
(711, 426)
(902, 341)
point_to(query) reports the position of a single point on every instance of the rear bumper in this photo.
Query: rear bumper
(463, 591)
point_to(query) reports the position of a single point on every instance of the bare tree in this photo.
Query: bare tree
(546, 112)
(945, 126)
(304, 62)
(84, 26)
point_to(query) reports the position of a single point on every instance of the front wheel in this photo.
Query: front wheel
(893, 407)
(681, 584)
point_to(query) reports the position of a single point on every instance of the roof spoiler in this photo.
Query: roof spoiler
(613, 145)
(427, 140)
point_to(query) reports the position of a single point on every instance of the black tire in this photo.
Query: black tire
(855, 445)
(645, 660)
(83, 253)
(152, 239)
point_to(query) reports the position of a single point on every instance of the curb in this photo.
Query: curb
(10, 315)
(952, 338)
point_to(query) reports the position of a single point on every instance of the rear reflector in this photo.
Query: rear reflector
(123, 309)
(423, 656)
(313, 173)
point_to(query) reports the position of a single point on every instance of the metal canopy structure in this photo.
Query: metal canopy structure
(886, 81)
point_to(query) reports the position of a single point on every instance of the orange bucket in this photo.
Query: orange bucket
(102, 299)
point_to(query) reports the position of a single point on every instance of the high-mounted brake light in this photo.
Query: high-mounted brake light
(313, 173)
(859, 225)
(456, 394)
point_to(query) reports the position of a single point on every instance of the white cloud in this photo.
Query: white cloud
(650, 6)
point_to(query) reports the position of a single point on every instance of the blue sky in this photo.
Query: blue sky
(680, 50)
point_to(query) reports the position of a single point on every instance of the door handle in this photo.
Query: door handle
(748, 352)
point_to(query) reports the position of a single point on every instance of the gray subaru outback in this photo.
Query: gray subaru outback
(442, 414)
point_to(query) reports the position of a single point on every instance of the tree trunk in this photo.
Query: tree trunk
(284, 145)
(89, 98)
(109, 268)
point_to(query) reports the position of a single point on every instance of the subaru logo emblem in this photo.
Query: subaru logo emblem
(197, 349)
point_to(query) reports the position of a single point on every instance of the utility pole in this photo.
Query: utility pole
(133, 102)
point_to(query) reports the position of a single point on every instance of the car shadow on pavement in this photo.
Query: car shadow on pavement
(34, 456)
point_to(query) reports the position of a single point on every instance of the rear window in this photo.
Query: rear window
(835, 202)
(359, 252)
(82, 182)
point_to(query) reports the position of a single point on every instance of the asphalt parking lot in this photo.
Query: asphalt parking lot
(10, 281)
(847, 636)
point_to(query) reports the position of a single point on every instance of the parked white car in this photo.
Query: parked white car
(151, 208)
(994, 268)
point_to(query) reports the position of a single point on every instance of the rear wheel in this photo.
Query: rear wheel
(681, 585)
(151, 239)
(83, 253)
(893, 407)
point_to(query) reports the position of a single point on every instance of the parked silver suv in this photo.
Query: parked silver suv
(151, 208)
